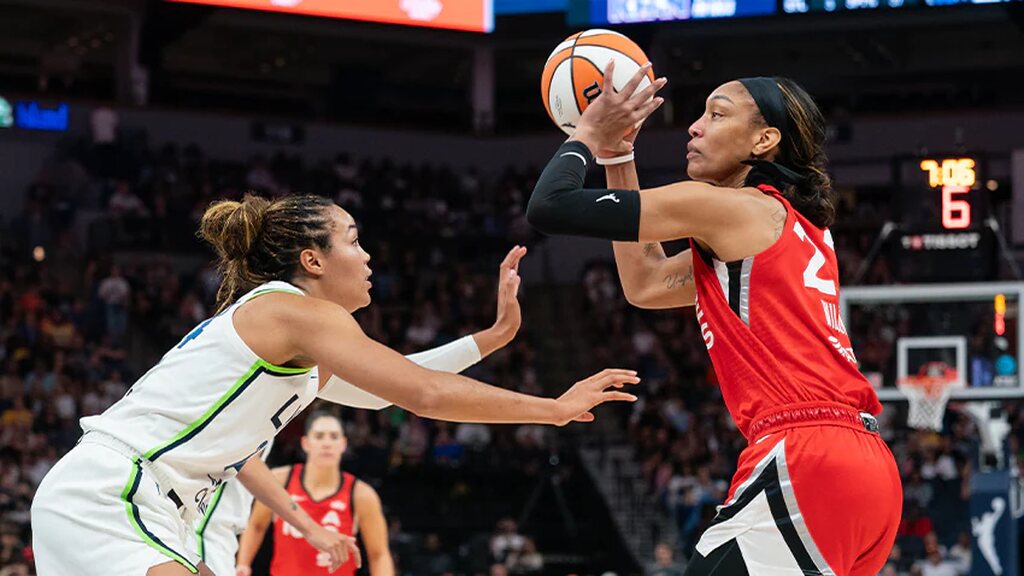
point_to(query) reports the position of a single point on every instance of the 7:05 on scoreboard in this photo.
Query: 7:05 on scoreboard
(955, 177)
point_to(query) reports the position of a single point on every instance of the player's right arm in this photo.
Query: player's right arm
(259, 521)
(374, 529)
(282, 328)
(649, 278)
(454, 356)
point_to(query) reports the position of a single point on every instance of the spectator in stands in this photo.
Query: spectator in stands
(897, 563)
(938, 464)
(125, 204)
(474, 436)
(413, 441)
(960, 553)
(664, 564)
(506, 540)
(432, 559)
(936, 565)
(447, 451)
(915, 521)
(115, 292)
(400, 543)
(19, 568)
(11, 546)
(525, 562)
(915, 490)
(17, 417)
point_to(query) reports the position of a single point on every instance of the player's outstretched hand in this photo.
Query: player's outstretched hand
(338, 546)
(613, 115)
(509, 317)
(576, 404)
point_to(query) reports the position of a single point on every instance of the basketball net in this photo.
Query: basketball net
(928, 392)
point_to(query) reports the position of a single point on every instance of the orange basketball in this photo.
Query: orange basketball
(574, 72)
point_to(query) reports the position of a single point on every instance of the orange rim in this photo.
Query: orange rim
(932, 385)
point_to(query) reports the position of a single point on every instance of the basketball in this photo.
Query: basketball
(574, 72)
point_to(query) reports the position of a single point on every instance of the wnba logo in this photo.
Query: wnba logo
(705, 330)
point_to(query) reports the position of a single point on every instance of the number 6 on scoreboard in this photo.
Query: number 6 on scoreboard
(956, 214)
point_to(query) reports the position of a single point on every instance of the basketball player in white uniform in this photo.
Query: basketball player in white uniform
(228, 514)
(127, 498)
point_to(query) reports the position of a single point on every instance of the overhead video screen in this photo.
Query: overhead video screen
(800, 6)
(635, 11)
(502, 7)
(472, 15)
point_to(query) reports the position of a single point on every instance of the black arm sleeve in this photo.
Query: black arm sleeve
(560, 205)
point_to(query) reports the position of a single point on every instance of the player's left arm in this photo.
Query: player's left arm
(718, 216)
(373, 528)
(723, 218)
(455, 356)
(267, 488)
(259, 521)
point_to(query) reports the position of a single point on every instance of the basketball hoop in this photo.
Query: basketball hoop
(928, 392)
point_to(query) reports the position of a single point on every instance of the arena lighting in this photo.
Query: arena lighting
(30, 115)
(6, 113)
(470, 15)
(1000, 321)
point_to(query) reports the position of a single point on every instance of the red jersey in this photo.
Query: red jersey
(293, 556)
(772, 326)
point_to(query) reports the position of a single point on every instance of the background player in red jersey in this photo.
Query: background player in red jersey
(339, 501)
(816, 491)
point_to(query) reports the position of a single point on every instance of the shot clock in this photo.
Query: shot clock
(943, 208)
(955, 177)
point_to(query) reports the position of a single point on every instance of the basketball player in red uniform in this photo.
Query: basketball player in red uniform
(816, 491)
(338, 500)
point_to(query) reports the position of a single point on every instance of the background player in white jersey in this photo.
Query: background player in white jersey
(126, 499)
(228, 515)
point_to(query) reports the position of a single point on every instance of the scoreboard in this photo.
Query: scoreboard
(800, 6)
(943, 208)
(602, 12)
(605, 12)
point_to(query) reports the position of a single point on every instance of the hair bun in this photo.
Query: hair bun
(232, 228)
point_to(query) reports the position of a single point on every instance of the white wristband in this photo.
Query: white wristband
(454, 357)
(615, 160)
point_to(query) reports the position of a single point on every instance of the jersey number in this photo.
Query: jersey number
(811, 278)
(276, 418)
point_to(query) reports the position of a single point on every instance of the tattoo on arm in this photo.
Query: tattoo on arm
(295, 507)
(779, 220)
(677, 280)
(648, 248)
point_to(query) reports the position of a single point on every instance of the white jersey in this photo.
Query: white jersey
(229, 512)
(206, 408)
(216, 535)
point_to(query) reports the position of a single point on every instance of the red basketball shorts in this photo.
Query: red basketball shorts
(820, 498)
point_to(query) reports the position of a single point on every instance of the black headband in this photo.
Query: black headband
(768, 96)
